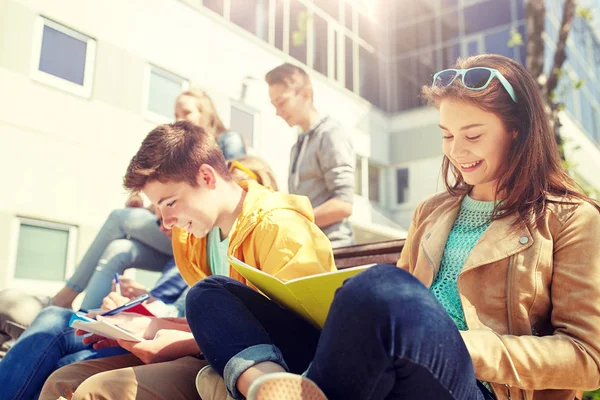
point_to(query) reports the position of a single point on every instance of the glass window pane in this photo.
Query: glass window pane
(348, 16)
(162, 94)
(252, 15)
(279, 24)
(63, 55)
(497, 43)
(449, 55)
(243, 122)
(406, 39)
(401, 184)
(358, 176)
(374, 189)
(320, 55)
(368, 76)
(349, 64)
(41, 253)
(298, 30)
(473, 48)
(215, 5)
(496, 13)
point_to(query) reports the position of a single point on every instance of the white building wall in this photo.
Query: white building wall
(62, 157)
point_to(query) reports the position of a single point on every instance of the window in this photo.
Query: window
(497, 43)
(401, 185)
(45, 251)
(298, 31)
(368, 76)
(497, 13)
(358, 176)
(215, 5)
(349, 64)
(252, 15)
(163, 89)
(242, 121)
(320, 60)
(63, 57)
(374, 183)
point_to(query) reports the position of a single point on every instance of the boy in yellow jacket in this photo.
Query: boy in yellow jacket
(182, 171)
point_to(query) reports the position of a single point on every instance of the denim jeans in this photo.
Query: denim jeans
(386, 337)
(48, 344)
(237, 327)
(130, 238)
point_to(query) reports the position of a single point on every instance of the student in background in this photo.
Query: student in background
(130, 238)
(183, 172)
(196, 106)
(322, 160)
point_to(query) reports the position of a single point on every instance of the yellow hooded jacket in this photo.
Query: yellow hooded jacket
(275, 232)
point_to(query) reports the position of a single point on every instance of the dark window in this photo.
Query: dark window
(374, 184)
(426, 62)
(496, 13)
(298, 30)
(279, 24)
(41, 246)
(401, 185)
(349, 64)
(473, 47)
(408, 84)
(497, 43)
(521, 9)
(523, 48)
(252, 15)
(368, 76)
(215, 5)
(63, 55)
(321, 45)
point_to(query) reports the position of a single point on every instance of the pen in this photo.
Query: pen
(117, 284)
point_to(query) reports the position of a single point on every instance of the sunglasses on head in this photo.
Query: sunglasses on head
(477, 78)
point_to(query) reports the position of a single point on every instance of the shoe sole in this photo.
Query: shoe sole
(287, 387)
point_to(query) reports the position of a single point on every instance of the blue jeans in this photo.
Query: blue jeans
(130, 238)
(48, 344)
(231, 144)
(386, 337)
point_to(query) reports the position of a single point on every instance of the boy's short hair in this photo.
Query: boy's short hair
(289, 75)
(174, 152)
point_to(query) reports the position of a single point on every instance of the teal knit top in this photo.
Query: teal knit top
(472, 220)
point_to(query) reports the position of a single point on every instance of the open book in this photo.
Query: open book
(310, 296)
(102, 328)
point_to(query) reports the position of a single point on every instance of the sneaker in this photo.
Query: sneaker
(284, 386)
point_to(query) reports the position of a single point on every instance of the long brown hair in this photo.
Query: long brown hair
(533, 169)
(262, 172)
(207, 107)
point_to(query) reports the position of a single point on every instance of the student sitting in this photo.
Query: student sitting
(182, 171)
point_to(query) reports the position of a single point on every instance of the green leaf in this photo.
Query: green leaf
(298, 38)
(516, 39)
(560, 107)
(578, 84)
(585, 13)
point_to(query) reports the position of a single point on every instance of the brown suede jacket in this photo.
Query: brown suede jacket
(531, 297)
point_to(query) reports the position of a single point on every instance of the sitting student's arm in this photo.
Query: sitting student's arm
(570, 357)
(336, 158)
(167, 345)
(287, 245)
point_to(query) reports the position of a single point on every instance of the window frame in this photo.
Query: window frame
(165, 73)
(33, 285)
(38, 75)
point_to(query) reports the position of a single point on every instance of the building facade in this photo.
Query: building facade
(82, 82)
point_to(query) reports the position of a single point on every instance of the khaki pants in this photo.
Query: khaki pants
(124, 378)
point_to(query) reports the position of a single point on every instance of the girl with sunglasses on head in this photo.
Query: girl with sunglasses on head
(497, 291)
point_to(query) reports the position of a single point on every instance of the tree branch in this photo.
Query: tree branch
(561, 45)
(534, 14)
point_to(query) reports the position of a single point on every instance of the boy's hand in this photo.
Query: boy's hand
(112, 301)
(140, 325)
(98, 342)
(167, 345)
(129, 287)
